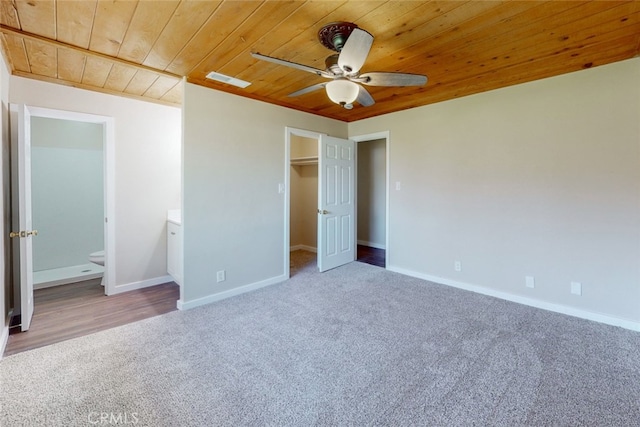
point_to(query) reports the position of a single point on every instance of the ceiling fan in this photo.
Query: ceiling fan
(343, 69)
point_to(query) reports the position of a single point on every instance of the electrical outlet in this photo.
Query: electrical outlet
(281, 188)
(529, 282)
(576, 288)
(457, 266)
(398, 186)
(221, 276)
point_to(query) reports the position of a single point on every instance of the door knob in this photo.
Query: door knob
(17, 234)
(32, 232)
(322, 212)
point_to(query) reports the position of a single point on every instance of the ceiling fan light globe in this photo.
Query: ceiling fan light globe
(342, 91)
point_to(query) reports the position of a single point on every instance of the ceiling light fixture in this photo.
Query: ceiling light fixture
(343, 92)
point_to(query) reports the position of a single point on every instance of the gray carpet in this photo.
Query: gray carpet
(357, 345)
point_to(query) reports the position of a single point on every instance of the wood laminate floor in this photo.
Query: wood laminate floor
(69, 311)
(372, 256)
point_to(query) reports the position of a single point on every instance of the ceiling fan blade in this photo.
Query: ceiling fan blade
(364, 97)
(355, 51)
(292, 65)
(307, 90)
(377, 78)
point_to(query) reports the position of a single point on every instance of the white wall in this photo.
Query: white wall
(233, 215)
(5, 155)
(540, 179)
(304, 194)
(67, 191)
(147, 151)
(372, 187)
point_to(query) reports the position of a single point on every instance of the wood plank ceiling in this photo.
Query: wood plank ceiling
(142, 49)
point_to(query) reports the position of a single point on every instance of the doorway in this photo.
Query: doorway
(67, 198)
(372, 190)
(334, 211)
(24, 123)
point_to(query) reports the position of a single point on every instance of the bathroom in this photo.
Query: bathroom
(67, 185)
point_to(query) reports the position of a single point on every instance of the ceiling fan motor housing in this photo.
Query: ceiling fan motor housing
(334, 35)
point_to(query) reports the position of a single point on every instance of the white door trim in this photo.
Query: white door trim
(109, 182)
(386, 136)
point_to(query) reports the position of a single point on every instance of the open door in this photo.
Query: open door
(336, 202)
(22, 233)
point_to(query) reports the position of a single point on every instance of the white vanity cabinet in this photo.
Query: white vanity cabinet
(174, 251)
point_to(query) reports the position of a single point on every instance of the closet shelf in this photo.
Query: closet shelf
(301, 161)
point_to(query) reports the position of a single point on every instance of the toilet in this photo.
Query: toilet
(98, 258)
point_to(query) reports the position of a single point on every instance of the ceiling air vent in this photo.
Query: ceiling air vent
(228, 80)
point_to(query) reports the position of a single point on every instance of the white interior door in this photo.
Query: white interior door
(336, 202)
(22, 227)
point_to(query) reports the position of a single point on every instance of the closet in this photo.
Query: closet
(304, 193)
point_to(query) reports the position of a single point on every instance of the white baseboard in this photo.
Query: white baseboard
(118, 289)
(371, 244)
(557, 308)
(303, 248)
(4, 337)
(182, 305)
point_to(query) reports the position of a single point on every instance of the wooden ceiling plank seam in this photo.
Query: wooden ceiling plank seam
(42, 58)
(523, 74)
(231, 14)
(533, 23)
(140, 82)
(190, 37)
(491, 17)
(71, 18)
(92, 88)
(233, 32)
(110, 25)
(9, 14)
(232, 42)
(418, 49)
(37, 17)
(162, 85)
(144, 28)
(71, 65)
(497, 44)
(515, 53)
(96, 72)
(17, 51)
(116, 73)
(613, 49)
(174, 94)
(163, 29)
(284, 19)
(56, 43)
(5, 53)
(137, 3)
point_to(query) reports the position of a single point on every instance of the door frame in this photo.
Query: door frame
(108, 144)
(288, 132)
(371, 137)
